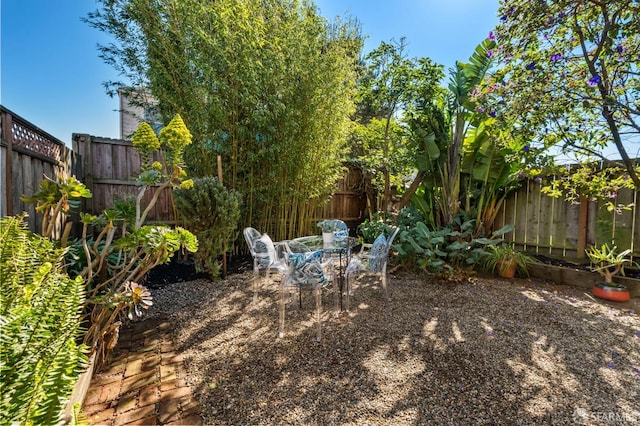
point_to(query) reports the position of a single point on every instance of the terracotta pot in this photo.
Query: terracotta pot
(507, 268)
(617, 294)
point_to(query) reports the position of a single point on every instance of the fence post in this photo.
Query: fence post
(7, 136)
(82, 147)
(583, 220)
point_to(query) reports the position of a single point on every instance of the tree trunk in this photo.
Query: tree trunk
(411, 190)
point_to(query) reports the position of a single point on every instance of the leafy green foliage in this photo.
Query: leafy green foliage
(380, 223)
(175, 137)
(590, 181)
(266, 85)
(40, 309)
(577, 63)
(212, 212)
(445, 248)
(464, 159)
(116, 249)
(146, 142)
(608, 262)
(57, 199)
(390, 83)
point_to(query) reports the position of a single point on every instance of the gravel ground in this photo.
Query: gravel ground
(484, 351)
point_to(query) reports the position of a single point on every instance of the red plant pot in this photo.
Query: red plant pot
(616, 294)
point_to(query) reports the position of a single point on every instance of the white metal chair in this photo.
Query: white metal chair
(371, 260)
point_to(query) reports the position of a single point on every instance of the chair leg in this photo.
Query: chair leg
(384, 286)
(338, 294)
(255, 285)
(347, 301)
(282, 303)
(317, 292)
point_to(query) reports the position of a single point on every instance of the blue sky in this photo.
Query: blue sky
(52, 76)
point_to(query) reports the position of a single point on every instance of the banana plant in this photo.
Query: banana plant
(489, 175)
(447, 130)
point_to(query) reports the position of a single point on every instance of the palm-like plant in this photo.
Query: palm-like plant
(608, 263)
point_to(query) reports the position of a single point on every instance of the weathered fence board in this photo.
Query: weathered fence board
(110, 165)
(27, 155)
(552, 226)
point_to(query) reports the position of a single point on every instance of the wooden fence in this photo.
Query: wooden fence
(542, 224)
(109, 164)
(555, 227)
(27, 155)
(109, 167)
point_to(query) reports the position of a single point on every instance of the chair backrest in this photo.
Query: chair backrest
(391, 237)
(251, 235)
(378, 254)
(265, 251)
(305, 269)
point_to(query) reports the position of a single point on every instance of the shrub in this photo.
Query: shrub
(381, 222)
(212, 212)
(40, 319)
(445, 248)
(122, 249)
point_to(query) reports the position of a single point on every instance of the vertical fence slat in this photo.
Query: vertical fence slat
(559, 228)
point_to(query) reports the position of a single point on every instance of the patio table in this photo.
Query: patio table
(341, 247)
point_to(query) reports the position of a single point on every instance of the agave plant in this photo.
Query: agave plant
(608, 263)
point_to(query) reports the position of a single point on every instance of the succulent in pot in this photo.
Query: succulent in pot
(609, 263)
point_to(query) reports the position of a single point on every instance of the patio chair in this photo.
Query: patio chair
(371, 260)
(305, 271)
(265, 256)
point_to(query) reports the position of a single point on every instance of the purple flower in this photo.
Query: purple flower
(638, 334)
(612, 195)
(562, 15)
(492, 113)
(610, 364)
(492, 36)
(531, 66)
(489, 333)
(521, 175)
(503, 18)
(489, 53)
(538, 179)
(556, 57)
(593, 81)
(620, 48)
(480, 108)
(615, 354)
(525, 148)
